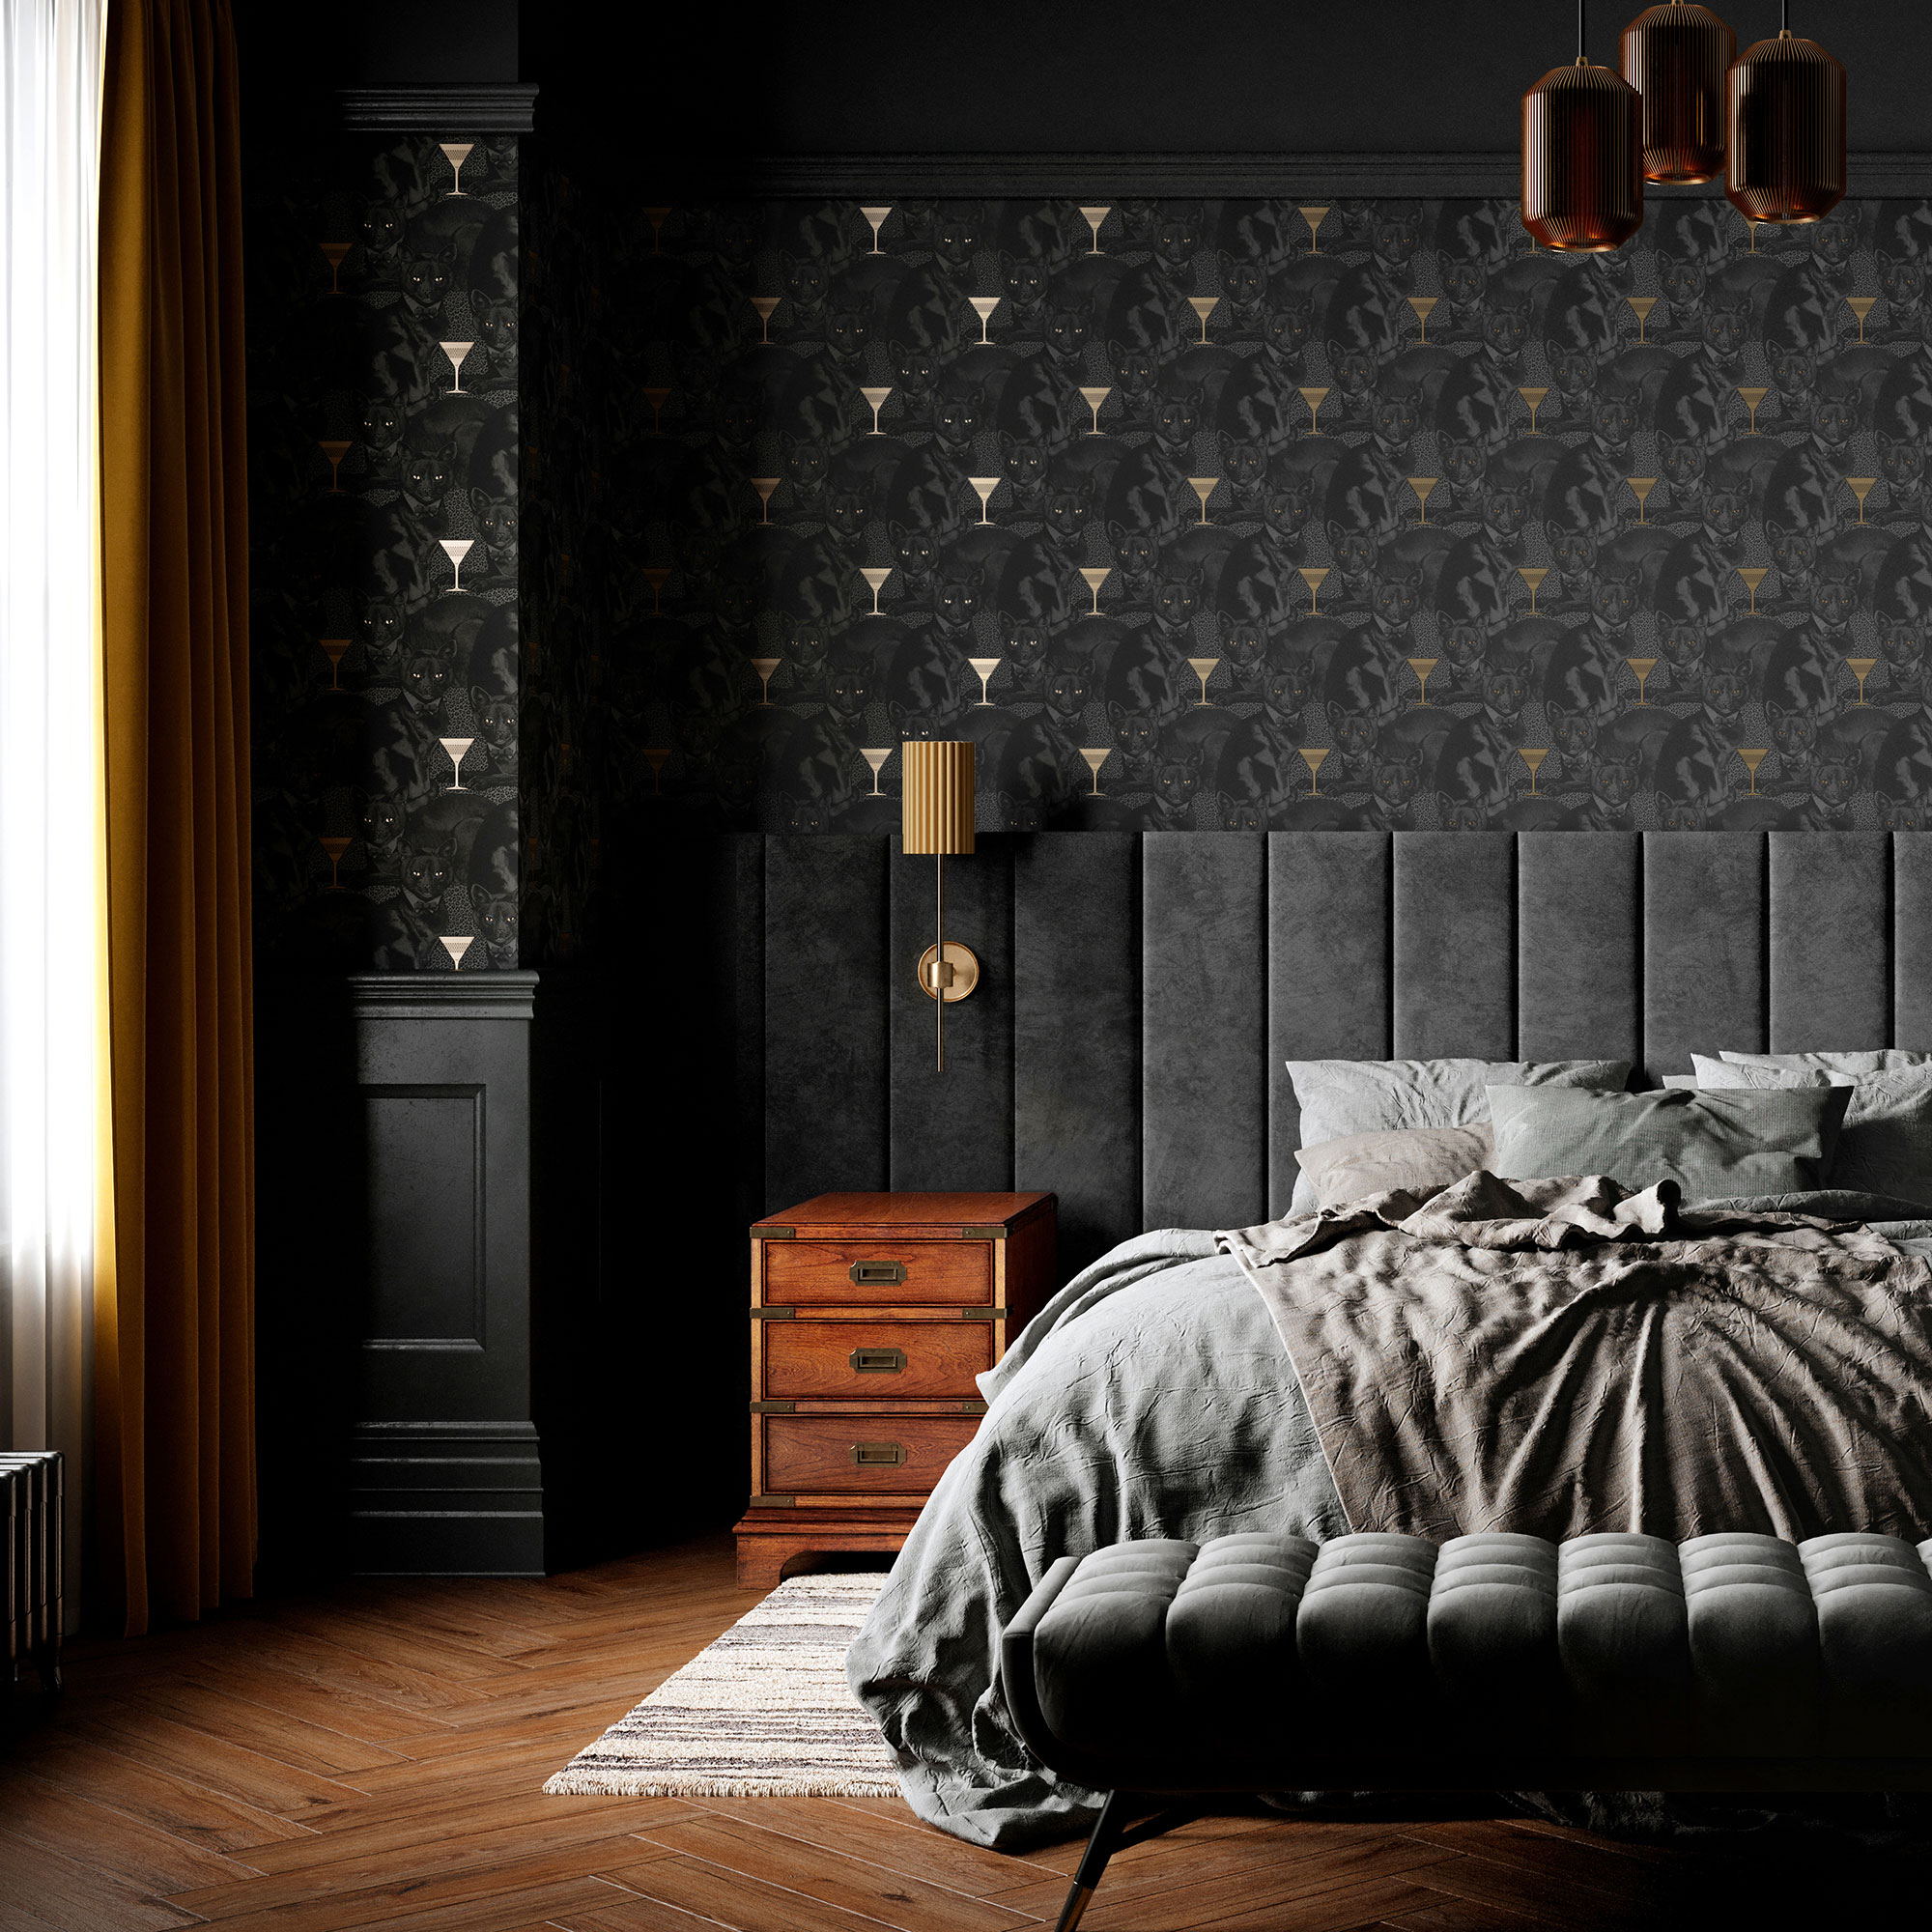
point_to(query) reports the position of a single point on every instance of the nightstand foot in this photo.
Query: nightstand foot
(771, 1542)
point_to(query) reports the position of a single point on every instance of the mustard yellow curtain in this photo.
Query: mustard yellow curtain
(174, 1329)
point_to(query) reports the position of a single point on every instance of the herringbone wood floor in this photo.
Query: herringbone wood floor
(373, 1758)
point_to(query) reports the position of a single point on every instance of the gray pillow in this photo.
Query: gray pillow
(1870, 1060)
(1712, 1144)
(1342, 1097)
(1885, 1147)
(1424, 1161)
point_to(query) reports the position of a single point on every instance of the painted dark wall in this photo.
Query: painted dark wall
(1126, 77)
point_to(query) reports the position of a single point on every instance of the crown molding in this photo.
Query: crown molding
(1073, 175)
(455, 107)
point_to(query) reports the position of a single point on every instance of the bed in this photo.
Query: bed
(1158, 1393)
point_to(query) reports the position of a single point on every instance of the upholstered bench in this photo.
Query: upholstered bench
(1493, 1663)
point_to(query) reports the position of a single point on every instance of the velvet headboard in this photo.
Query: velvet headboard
(1138, 992)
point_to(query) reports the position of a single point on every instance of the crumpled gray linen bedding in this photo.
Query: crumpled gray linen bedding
(1152, 1396)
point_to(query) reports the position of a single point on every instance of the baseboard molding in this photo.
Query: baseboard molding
(445, 1499)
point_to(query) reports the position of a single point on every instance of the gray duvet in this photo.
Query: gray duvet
(1152, 1397)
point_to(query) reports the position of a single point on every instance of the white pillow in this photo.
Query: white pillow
(1869, 1059)
(1340, 1097)
(1886, 1145)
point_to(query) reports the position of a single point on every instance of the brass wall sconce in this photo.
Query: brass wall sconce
(936, 796)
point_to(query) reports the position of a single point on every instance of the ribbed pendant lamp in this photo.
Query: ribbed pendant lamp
(1785, 110)
(1676, 57)
(1582, 158)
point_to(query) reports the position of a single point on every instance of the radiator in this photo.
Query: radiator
(30, 1515)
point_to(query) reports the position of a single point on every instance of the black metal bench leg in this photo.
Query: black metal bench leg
(1109, 1829)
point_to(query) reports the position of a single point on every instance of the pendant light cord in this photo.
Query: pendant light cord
(1582, 56)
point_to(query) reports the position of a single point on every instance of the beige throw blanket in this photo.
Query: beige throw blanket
(1560, 1357)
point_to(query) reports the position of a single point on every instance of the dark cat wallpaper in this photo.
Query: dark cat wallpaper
(383, 448)
(1447, 532)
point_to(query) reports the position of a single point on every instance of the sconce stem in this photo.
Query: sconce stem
(938, 955)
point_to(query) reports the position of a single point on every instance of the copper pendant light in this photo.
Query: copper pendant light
(1785, 110)
(1676, 56)
(1582, 158)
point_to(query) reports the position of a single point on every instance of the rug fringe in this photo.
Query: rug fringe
(609, 1784)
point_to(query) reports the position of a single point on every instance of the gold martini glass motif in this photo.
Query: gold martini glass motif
(657, 217)
(1314, 217)
(1641, 307)
(1313, 398)
(657, 579)
(335, 253)
(877, 399)
(875, 581)
(1752, 397)
(1422, 666)
(875, 220)
(1204, 306)
(1640, 668)
(983, 488)
(456, 352)
(335, 449)
(1862, 486)
(456, 548)
(1095, 217)
(1204, 670)
(1096, 756)
(456, 153)
(457, 749)
(456, 948)
(334, 649)
(1861, 668)
(764, 486)
(985, 667)
(984, 307)
(657, 757)
(1313, 757)
(334, 849)
(1314, 579)
(1862, 306)
(657, 398)
(1640, 489)
(1752, 579)
(1534, 760)
(1753, 759)
(1534, 398)
(1424, 307)
(1422, 486)
(1094, 578)
(1534, 579)
(765, 666)
(877, 760)
(767, 308)
(1094, 399)
(1204, 487)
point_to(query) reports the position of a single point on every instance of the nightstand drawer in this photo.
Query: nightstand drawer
(888, 1271)
(888, 1454)
(885, 1360)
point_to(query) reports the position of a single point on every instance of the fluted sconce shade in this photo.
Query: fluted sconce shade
(1582, 153)
(1786, 114)
(936, 787)
(1676, 56)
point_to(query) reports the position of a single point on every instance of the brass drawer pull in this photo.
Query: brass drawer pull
(877, 1274)
(878, 1361)
(877, 1455)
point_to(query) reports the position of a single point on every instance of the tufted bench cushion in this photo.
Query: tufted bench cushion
(1729, 1661)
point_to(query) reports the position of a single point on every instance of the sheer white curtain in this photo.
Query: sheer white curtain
(50, 789)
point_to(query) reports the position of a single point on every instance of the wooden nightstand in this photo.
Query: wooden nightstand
(870, 1316)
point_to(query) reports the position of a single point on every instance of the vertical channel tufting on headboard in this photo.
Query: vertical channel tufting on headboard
(1830, 940)
(1142, 991)
(1203, 1021)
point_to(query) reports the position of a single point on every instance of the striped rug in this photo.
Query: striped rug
(763, 1712)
